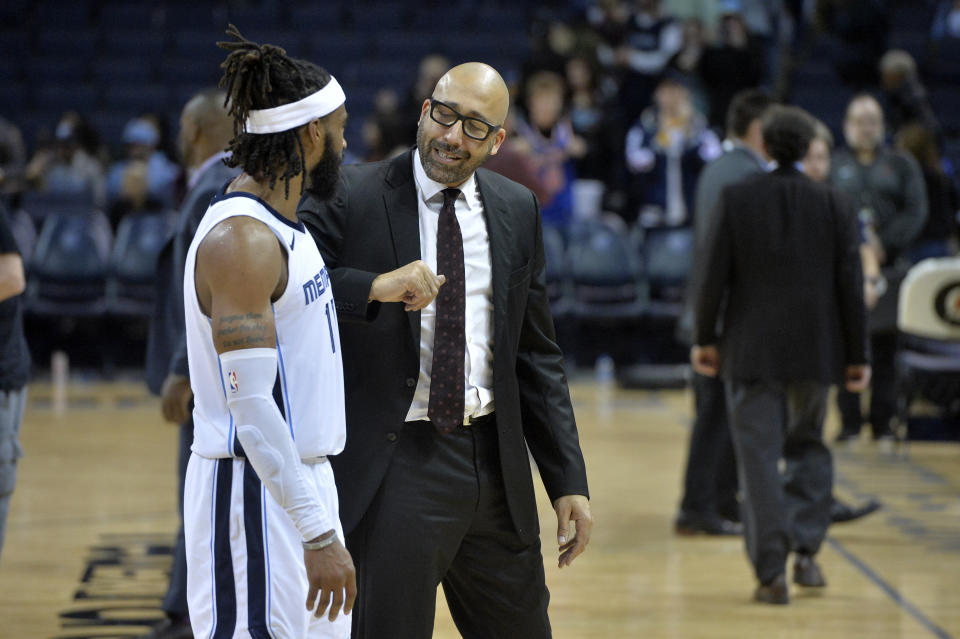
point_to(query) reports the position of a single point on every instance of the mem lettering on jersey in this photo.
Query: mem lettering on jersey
(316, 286)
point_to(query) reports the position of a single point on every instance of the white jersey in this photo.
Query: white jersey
(309, 388)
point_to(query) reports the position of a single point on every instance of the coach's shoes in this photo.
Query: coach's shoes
(170, 629)
(807, 573)
(773, 592)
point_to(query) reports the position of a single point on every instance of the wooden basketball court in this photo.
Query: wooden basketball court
(93, 516)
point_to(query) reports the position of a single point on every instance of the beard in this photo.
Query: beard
(445, 173)
(323, 178)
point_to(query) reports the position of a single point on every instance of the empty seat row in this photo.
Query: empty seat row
(77, 268)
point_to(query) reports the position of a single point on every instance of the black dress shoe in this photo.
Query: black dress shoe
(688, 524)
(807, 573)
(773, 592)
(841, 512)
(170, 629)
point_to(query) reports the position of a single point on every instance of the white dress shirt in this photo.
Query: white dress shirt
(478, 329)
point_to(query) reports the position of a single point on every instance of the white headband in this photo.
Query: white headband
(290, 116)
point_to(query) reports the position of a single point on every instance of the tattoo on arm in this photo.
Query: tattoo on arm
(249, 330)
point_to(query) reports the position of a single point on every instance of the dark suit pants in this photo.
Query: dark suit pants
(440, 517)
(175, 601)
(883, 399)
(710, 482)
(769, 421)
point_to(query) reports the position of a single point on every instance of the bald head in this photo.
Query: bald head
(205, 127)
(465, 94)
(476, 82)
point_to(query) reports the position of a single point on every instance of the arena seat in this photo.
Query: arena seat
(556, 272)
(606, 275)
(667, 256)
(928, 317)
(131, 274)
(69, 266)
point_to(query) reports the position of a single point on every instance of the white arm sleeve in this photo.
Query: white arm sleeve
(248, 378)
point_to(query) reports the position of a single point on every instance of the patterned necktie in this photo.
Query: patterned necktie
(445, 409)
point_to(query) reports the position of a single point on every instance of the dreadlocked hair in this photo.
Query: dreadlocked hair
(262, 76)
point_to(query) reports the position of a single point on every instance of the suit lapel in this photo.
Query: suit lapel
(498, 229)
(400, 200)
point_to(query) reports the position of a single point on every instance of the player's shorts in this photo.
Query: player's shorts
(245, 572)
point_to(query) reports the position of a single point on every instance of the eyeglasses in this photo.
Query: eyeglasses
(446, 115)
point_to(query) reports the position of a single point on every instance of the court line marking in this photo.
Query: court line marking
(890, 591)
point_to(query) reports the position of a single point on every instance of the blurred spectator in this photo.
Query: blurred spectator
(686, 64)
(939, 235)
(595, 118)
(553, 144)
(665, 151)
(69, 166)
(946, 22)
(13, 159)
(885, 185)
(907, 100)
(431, 68)
(887, 189)
(384, 131)
(514, 160)
(651, 40)
(134, 196)
(142, 139)
(861, 28)
(816, 164)
(732, 64)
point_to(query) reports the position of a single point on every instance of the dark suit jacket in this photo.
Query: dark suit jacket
(782, 251)
(166, 341)
(372, 226)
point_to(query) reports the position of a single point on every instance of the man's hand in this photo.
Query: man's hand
(857, 377)
(175, 398)
(330, 573)
(572, 542)
(414, 284)
(705, 360)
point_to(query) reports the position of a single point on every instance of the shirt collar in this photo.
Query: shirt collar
(206, 164)
(428, 189)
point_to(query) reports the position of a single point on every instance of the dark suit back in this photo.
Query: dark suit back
(783, 250)
(166, 346)
(371, 227)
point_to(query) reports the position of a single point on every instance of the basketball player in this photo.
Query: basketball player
(262, 530)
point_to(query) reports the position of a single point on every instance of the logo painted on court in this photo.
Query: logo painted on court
(947, 303)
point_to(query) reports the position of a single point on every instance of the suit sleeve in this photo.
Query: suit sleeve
(849, 284)
(546, 411)
(327, 223)
(713, 276)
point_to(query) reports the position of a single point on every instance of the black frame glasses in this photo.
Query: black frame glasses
(459, 117)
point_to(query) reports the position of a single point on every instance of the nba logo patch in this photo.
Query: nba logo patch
(234, 385)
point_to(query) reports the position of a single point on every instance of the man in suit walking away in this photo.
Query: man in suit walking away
(446, 392)
(782, 254)
(205, 132)
(709, 504)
